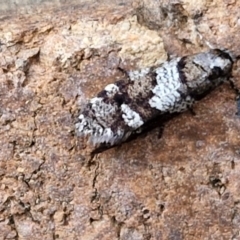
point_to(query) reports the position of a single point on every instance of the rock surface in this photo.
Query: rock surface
(184, 185)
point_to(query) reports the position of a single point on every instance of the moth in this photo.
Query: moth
(123, 108)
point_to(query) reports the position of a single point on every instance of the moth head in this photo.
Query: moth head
(221, 64)
(204, 71)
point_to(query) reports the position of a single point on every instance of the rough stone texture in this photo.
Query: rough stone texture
(184, 185)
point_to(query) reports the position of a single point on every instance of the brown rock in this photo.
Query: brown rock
(184, 185)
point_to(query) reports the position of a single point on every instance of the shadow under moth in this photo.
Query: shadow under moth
(123, 108)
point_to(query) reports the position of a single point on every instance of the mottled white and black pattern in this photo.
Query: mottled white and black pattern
(123, 107)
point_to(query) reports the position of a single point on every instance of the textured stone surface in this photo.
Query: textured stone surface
(184, 185)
